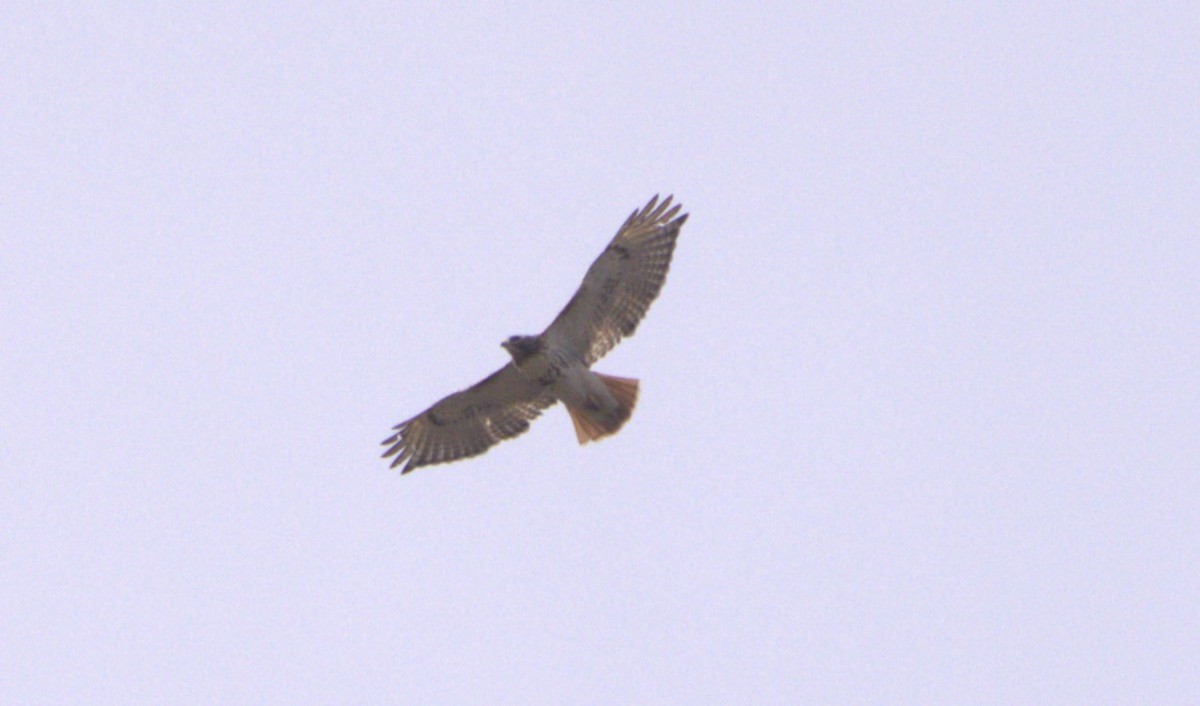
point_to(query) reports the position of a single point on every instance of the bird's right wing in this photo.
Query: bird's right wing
(470, 421)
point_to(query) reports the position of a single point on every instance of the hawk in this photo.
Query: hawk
(556, 364)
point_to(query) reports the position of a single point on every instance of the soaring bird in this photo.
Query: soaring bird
(555, 365)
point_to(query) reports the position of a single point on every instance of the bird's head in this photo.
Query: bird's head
(521, 347)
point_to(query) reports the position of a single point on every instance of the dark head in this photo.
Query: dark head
(522, 347)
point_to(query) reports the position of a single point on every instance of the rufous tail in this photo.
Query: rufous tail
(594, 423)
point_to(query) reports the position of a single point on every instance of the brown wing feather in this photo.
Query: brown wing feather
(470, 421)
(621, 284)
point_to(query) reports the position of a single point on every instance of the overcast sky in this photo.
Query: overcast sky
(920, 399)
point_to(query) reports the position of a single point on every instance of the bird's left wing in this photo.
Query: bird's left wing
(621, 284)
(470, 421)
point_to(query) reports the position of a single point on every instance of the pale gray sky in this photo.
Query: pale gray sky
(919, 403)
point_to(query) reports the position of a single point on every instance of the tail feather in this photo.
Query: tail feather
(625, 390)
(585, 429)
(594, 424)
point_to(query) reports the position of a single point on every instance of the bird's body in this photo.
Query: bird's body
(555, 365)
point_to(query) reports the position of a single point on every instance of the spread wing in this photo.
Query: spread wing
(470, 421)
(620, 285)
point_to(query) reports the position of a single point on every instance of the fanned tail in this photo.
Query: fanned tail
(593, 424)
